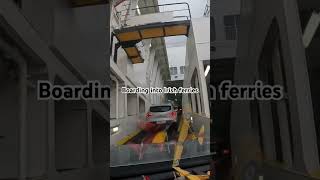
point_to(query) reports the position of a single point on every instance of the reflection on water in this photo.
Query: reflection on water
(132, 154)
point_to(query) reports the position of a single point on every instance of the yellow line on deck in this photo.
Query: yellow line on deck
(159, 138)
(128, 137)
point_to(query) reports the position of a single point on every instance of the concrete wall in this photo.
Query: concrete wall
(201, 27)
(147, 74)
(256, 21)
(194, 65)
(73, 30)
(83, 30)
(34, 140)
(197, 105)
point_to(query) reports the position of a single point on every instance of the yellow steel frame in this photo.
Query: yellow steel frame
(128, 37)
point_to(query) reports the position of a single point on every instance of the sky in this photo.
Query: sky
(176, 55)
(196, 6)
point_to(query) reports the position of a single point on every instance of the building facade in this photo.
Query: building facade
(128, 110)
(65, 43)
(176, 49)
(196, 105)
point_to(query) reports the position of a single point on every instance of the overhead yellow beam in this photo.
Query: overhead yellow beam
(140, 33)
(128, 36)
(137, 60)
(134, 54)
(176, 30)
(132, 51)
(152, 33)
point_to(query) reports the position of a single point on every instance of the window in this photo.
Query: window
(132, 104)
(173, 70)
(231, 26)
(160, 108)
(182, 69)
(141, 106)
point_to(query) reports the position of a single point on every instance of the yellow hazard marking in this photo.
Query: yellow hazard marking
(183, 134)
(177, 154)
(192, 136)
(128, 137)
(180, 124)
(201, 135)
(181, 172)
(184, 130)
(160, 137)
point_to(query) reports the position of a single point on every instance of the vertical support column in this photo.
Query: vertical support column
(303, 120)
(203, 89)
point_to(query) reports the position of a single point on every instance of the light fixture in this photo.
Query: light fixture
(115, 129)
(207, 71)
(311, 29)
(138, 9)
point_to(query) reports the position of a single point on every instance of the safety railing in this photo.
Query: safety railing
(134, 154)
(179, 13)
(207, 11)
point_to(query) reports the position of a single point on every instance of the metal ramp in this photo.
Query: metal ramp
(129, 36)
